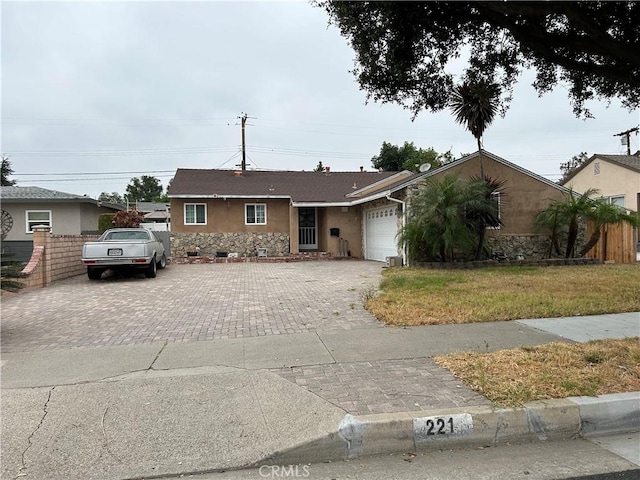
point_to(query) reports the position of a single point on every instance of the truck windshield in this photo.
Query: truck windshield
(127, 235)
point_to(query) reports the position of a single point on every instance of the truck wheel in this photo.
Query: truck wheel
(163, 262)
(151, 270)
(94, 273)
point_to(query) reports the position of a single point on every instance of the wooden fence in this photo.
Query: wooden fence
(618, 244)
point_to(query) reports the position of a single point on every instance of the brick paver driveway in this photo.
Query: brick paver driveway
(191, 303)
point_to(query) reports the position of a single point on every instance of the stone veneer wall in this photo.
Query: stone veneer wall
(528, 246)
(242, 243)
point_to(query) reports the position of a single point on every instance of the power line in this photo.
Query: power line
(93, 173)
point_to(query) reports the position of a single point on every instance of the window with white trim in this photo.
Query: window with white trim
(616, 200)
(195, 213)
(255, 213)
(37, 217)
(495, 202)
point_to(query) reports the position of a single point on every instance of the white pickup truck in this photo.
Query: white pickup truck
(122, 248)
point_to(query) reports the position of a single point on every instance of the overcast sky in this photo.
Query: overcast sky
(96, 93)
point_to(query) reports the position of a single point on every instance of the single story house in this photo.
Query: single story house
(524, 195)
(65, 213)
(355, 214)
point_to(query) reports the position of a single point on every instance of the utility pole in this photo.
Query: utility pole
(627, 134)
(243, 119)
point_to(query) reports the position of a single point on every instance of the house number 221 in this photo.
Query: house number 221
(431, 428)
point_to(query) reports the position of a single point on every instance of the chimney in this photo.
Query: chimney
(327, 169)
(361, 169)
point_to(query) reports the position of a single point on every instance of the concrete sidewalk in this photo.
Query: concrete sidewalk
(140, 411)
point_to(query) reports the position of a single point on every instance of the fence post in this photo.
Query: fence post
(42, 238)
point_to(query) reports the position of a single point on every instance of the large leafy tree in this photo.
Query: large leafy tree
(5, 172)
(143, 189)
(572, 165)
(394, 158)
(404, 49)
(113, 197)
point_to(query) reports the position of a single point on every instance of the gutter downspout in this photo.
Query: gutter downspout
(404, 219)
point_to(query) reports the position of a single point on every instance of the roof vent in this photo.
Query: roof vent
(354, 186)
(238, 173)
(327, 170)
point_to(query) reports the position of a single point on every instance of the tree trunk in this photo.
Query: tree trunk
(571, 238)
(595, 237)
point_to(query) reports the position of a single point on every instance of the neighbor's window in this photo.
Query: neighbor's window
(38, 217)
(596, 168)
(195, 214)
(255, 214)
(617, 200)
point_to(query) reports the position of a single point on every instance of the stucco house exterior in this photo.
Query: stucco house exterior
(617, 178)
(357, 214)
(66, 214)
(354, 214)
(525, 194)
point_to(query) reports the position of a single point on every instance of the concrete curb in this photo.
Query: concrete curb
(467, 427)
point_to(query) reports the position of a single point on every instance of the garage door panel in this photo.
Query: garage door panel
(381, 227)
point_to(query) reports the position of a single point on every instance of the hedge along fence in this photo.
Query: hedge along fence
(105, 222)
(55, 257)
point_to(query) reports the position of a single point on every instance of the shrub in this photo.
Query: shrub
(127, 219)
(105, 222)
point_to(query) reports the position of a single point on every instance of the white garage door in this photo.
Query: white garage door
(381, 227)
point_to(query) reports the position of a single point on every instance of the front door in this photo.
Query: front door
(307, 228)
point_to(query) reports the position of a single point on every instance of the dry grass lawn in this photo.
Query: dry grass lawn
(557, 370)
(426, 297)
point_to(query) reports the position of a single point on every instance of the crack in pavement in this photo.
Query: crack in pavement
(45, 408)
(158, 354)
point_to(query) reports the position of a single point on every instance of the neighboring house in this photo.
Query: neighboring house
(616, 177)
(66, 213)
(155, 212)
(357, 214)
(524, 195)
(353, 214)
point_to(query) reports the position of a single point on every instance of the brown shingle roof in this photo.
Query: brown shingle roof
(629, 161)
(300, 186)
(632, 162)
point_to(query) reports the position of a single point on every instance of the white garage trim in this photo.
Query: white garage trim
(380, 230)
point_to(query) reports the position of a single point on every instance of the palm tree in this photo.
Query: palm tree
(572, 209)
(440, 220)
(482, 211)
(474, 105)
(603, 213)
(549, 220)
